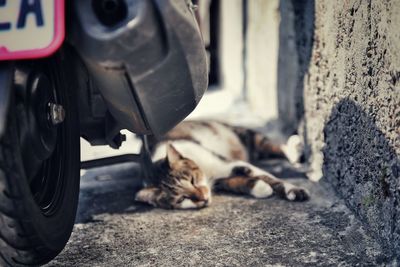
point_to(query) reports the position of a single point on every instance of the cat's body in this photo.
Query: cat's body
(196, 156)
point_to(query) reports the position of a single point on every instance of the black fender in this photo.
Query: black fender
(150, 66)
(5, 92)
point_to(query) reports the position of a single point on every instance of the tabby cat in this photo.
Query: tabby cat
(197, 156)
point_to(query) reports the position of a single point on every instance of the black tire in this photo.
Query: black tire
(29, 236)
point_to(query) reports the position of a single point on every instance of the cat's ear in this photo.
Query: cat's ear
(172, 154)
(148, 195)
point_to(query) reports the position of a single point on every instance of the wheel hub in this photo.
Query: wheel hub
(40, 115)
(56, 113)
(42, 132)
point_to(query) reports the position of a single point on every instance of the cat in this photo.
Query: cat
(197, 156)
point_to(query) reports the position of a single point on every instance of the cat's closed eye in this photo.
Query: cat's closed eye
(180, 200)
(194, 198)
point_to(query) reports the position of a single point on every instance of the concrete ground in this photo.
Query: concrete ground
(113, 230)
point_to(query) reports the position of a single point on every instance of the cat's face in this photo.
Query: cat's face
(183, 185)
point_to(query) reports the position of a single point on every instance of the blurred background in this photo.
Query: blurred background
(241, 40)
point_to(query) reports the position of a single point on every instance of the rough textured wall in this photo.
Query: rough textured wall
(352, 109)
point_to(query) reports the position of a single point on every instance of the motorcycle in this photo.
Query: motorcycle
(82, 68)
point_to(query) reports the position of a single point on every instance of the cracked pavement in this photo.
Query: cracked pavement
(113, 230)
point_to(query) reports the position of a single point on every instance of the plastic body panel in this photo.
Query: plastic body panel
(150, 66)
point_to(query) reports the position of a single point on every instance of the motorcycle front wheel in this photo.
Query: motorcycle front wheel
(39, 163)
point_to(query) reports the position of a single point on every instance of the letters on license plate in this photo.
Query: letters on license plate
(30, 28)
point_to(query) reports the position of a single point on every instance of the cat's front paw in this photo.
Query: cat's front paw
(261, 189)
(297, 194)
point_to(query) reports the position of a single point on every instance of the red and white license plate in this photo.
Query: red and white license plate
(30, 28)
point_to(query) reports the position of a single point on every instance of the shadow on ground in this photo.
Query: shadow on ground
(111, 189)
(113, 230)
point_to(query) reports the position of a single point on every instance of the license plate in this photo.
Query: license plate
(30, 28)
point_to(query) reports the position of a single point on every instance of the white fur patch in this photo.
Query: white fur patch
(261, 190)
(291, 196)
(293, 149)
(187, 204)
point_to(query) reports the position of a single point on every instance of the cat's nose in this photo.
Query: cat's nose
(206, 202)
(202, 203)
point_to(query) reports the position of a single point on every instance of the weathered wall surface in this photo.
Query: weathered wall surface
(351, 99)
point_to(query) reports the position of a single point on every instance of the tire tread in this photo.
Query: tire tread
(17, 246)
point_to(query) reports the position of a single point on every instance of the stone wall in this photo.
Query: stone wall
(349, 93)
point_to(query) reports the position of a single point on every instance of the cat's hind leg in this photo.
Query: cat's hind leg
(241, 177)
(292, 150)
(280, 187)
(284, 189)
(262, 186)
(245, 185)
(261, 147)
